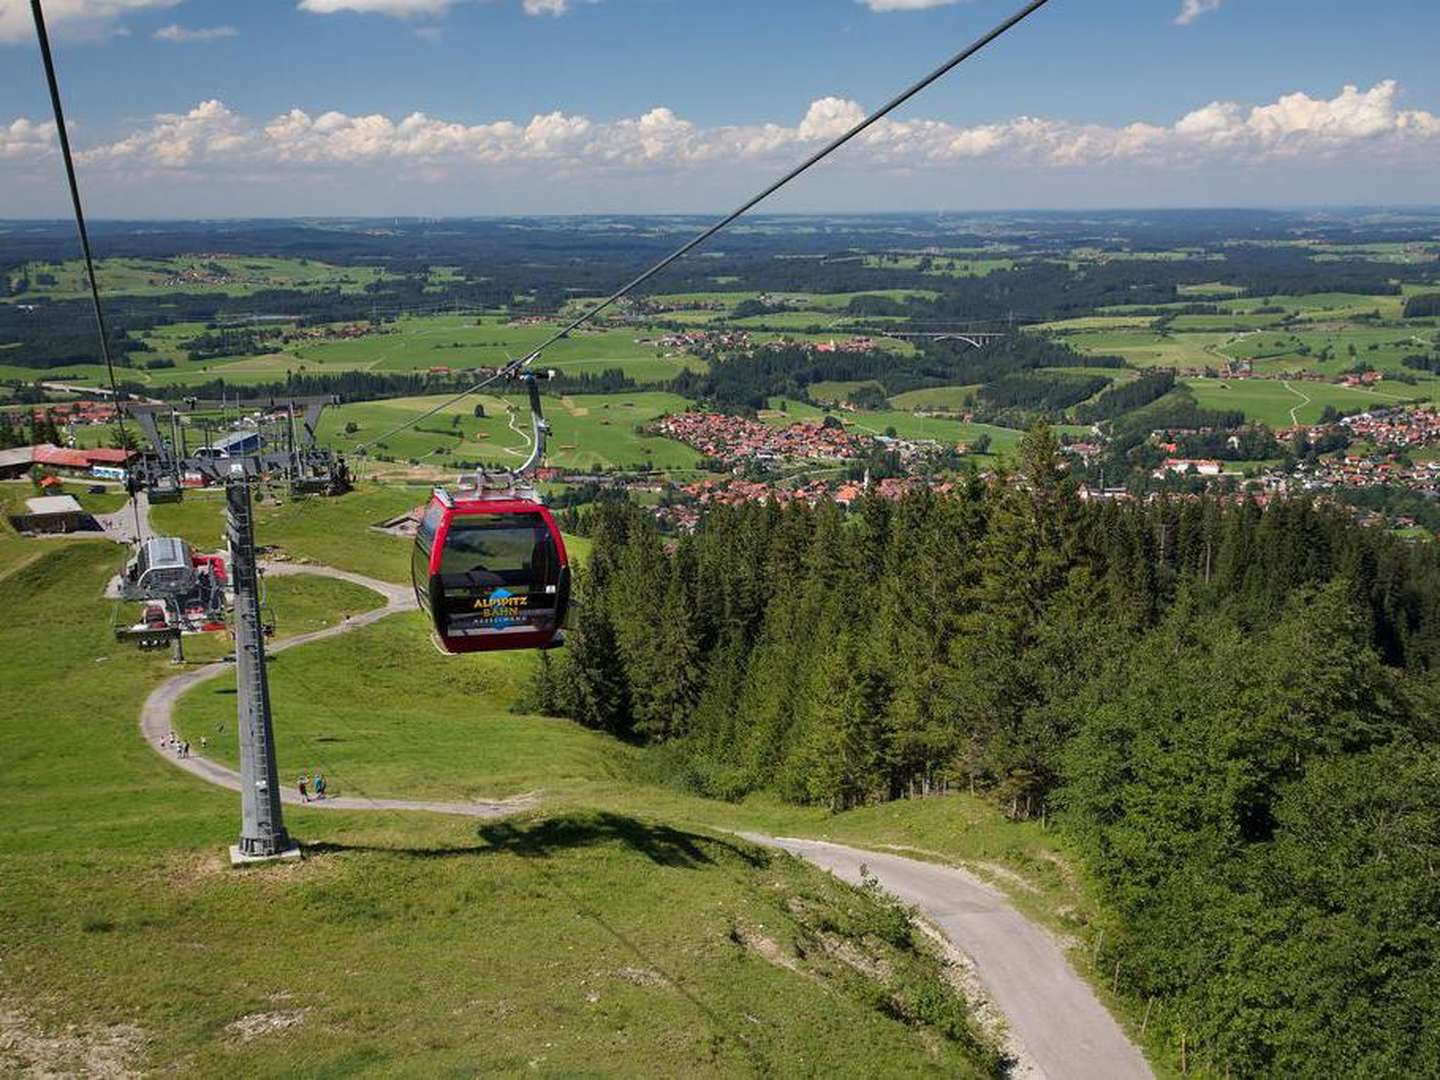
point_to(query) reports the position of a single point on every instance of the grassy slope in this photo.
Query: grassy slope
(584, 941)
(1271, 401)
(381, 713)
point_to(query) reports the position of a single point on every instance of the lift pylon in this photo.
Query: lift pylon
(262, 827)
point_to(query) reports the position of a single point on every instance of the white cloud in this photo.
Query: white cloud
(407, 9)
(1355, 123)
(88, 17)
(201, 35)
(905, 5)
(402, 9)
(829, 118)
(1190, 10)
(26, 139)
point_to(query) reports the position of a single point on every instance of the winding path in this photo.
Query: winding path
(1304, 400)
(1057, 1024)
(156, 715)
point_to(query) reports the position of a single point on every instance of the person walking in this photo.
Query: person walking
(302, 783)
(319, 786)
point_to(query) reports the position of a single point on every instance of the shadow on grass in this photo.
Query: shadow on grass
(659, 843)
(540, 839)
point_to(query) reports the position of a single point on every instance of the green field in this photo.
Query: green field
(1281, 404)
(1148, 349)
(937, 399)
(833, 392)
(586, 430)
(410, 344)
(241, 276)
(941, 265)
(336, 532)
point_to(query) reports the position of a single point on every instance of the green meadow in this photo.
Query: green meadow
(1281, 404)
(242, 276)
(936, 398)
(586, 430)
(613, 929)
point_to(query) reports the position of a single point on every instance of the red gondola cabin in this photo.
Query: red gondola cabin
(491, 572)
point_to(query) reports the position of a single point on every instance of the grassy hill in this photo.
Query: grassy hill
(575, 941)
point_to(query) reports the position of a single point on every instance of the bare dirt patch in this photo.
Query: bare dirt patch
(768, 949)
(642, 976)
(258, 1025)
(111, 1052)
(853, 956)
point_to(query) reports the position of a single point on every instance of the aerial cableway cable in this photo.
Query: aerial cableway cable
(64, 138)
(516, 366)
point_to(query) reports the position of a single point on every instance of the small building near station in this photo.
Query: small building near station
(50, 514)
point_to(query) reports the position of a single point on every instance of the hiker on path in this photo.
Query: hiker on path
(304, 780)
(319, 786)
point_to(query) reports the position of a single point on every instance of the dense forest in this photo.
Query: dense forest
(748, 380)
(1229, 710)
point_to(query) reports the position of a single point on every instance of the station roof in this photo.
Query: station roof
(235, 438)
(53, 504)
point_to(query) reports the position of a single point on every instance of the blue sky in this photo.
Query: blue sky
(228, 107)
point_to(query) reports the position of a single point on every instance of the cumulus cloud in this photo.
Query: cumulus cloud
(1190, 10)
(26, 139)
(90, 17)
(200, 35)
(1294, 127)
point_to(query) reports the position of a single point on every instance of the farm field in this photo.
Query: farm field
(421, 343)
(937, 398)
(147, 277)
(1282, 404)
(414, 344)
(1381, 348)
(1148, 349)
(586, 430)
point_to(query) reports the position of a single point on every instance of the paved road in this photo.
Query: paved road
(156, 714)
(120, 526)
(1053, 1013)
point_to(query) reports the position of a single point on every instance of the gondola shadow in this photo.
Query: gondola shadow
(661, 844)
